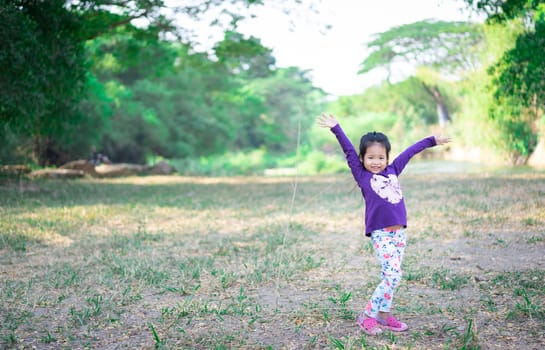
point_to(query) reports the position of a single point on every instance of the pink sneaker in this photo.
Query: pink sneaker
(392, 324)
(369, 325)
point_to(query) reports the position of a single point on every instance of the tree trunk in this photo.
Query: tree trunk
(46, 153)
(443, 114)
(537, 158)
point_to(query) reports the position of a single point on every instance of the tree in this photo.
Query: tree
(171, 115)
(520, 71)
(244, 56)
(47, 87)
(501, 11)
(519, 90)
(518, 76)
(42, 71)
(447, 48)
(291, 104)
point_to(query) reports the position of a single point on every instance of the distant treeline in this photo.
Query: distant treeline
(78, 75)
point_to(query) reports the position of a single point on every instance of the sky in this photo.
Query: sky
(334, 56)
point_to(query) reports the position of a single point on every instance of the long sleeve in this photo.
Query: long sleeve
(350, 152)
(403, 158)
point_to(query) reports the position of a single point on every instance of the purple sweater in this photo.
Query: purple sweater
(384, 204)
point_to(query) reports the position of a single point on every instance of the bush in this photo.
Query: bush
(230, 163)
(318, 162)
(255, 162)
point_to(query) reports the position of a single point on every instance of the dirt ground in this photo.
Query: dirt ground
(261, 263)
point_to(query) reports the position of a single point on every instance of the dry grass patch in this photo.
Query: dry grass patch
(280, 263)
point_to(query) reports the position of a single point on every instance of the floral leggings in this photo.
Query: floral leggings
(389, 247)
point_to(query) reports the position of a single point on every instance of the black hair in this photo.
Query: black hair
(374, 137)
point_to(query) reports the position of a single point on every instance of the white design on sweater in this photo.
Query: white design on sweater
(387, 188)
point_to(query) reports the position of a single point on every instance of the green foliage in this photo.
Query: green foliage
(291, 103)
(516, 134)
(406, 99)
(42, 71)
(257, 162)
(230, 163)
(15, 149)
(198, 106)
(41, 64)
(500, 11)
(316, 162)
(170, 115)
(474, 128)
(519, 72)
(444, 46)
(484, 128)
(137, 96)
(435, 47)
(245, 56)
(95, 109)
(133, 94)
(136, 130)
(515, 73)
(129, 54)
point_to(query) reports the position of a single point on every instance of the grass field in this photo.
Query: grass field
(267, 263)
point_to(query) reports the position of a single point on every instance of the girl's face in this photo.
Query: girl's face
(375, 159)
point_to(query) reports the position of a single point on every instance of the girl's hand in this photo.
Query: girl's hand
(327, 121)
(440, 140)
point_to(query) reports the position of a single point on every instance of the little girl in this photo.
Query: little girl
(385, 214)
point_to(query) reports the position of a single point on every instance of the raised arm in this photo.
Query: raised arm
(328, 121)
(403, 158)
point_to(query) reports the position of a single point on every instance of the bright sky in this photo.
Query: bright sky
(334, 56)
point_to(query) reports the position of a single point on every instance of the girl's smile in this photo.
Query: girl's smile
(375, 159)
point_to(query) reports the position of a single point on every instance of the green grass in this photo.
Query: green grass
(266, 263)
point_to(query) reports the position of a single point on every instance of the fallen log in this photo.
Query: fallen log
(81, 164)
(56, 174)
(14, 170)
(120, 170)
